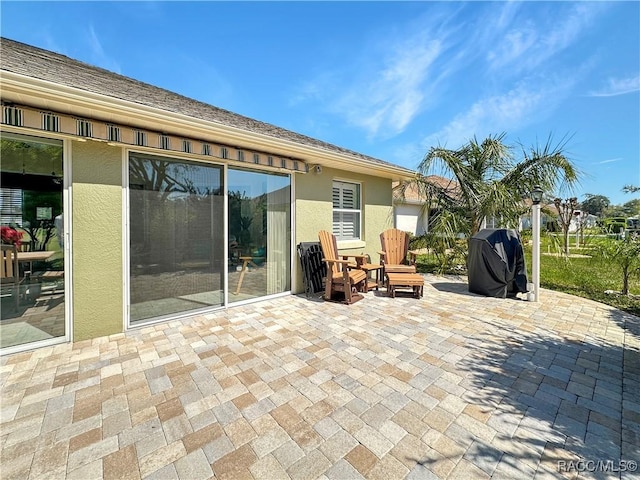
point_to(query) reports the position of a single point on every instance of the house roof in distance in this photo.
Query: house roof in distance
(30, 61)
(410, 192)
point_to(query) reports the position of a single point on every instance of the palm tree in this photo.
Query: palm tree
(489, 182)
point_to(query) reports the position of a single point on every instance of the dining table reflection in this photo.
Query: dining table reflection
(30, 257)
(41, 256)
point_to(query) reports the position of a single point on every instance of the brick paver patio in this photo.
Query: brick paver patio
(453, 385)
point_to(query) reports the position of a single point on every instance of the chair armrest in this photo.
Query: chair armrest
(411, 255)
(335, 260)
(359, 258)
(345, 256)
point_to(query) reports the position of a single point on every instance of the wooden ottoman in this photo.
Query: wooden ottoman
(405, 280)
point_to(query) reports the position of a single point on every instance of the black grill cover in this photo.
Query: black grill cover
(495, 264)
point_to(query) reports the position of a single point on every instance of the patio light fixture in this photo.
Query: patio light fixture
(536, 198)
(536, 195)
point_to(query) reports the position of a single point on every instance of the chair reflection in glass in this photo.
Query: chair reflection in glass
(10, 272)
(254, 260)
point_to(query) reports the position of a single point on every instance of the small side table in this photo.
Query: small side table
(370, 267)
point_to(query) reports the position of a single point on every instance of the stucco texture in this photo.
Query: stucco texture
(314, 211)
(97, 240)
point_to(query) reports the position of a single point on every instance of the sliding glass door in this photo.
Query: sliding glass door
(32, 290)
(259, 234)
(178, 241)
(176, 218)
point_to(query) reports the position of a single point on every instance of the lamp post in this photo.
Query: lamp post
(536, 198)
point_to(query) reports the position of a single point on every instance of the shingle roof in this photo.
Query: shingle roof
(23, 59)
(412, 193)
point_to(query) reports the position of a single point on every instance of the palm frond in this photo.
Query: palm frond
(546, 166)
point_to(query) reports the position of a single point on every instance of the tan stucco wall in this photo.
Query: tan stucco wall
(314, 209)
(97, 239)
(97, 233)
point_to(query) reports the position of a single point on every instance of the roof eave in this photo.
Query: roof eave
(64, 99)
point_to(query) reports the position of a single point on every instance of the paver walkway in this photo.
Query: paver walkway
(453, 385)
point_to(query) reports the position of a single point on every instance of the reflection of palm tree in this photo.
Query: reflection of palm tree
(236, 200)
(245, 225)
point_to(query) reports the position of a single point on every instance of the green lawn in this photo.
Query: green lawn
(587, 277)
(584, 277)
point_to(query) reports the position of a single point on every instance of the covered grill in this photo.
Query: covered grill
(495, 265)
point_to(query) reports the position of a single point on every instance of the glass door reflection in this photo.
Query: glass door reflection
(259, 234)
(176, 243)
(32, 232)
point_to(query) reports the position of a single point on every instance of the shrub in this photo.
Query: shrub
(623, 254)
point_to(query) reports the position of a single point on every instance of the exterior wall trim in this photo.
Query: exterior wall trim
(31, 119)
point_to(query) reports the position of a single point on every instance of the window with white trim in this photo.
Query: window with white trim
(346, 210)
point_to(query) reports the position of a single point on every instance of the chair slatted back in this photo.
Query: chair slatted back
(314, 270)
(9, 264)
(395, 244)
(329, 248)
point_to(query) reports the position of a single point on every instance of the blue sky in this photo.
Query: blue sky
(388, 79)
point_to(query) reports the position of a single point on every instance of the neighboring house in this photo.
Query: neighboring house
(410, 212)
(148, 205)
(549, 217)
(584, 219)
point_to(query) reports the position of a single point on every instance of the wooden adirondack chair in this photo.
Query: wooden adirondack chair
(9, 271)
(395, 256)
(340, 277)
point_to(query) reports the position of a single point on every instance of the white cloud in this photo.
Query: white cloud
(50, 43)
(618, 86)
(98, 55)
(480, 51)
(611, 160)
(414, 77)
(535, 40)
(389, 96)
(525, 82)
(519, 107)
(513, 47)
(390, 79)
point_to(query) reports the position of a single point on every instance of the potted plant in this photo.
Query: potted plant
(11, 236)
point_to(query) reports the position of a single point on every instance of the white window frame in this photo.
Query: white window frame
(341, 185)
(67, 143)
(492, 221)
